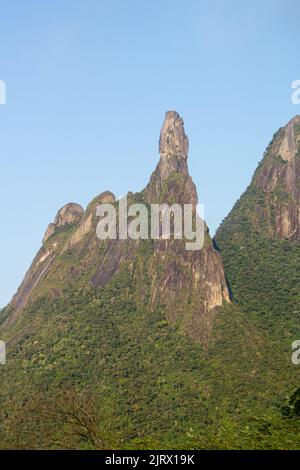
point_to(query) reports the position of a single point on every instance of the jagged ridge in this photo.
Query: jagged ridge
(190, 285)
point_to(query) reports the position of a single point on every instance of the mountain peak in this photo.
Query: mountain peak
(173, 140)
(277, 180)
(173, 145)
(173, 149)
(184, 281)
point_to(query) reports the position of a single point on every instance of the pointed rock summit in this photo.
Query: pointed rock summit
(196, 277)
(173, 149)
(173, 146)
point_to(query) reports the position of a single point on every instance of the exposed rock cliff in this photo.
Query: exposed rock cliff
(173, 145)
(196, 277)
(173, 149)
(278, 176)
(68, 214)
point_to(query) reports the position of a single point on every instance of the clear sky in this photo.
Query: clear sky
(88, 83)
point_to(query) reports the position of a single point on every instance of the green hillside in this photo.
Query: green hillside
(127, 345)
(97, 369)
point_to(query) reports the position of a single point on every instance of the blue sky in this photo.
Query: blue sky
(88, 83)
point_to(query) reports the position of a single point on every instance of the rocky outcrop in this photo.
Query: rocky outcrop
(279, 178)
(82, 230)
(68, 214)
(289, 144)
(173, 149)
(35, 274)
(173, 146)
(195, 277)
(89, 220)
(107, 197)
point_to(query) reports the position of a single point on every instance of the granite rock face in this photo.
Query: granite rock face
(190, 283)
(68, 214)
(173, 149)
(89, 220)
(173, 145)
(279, 178)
